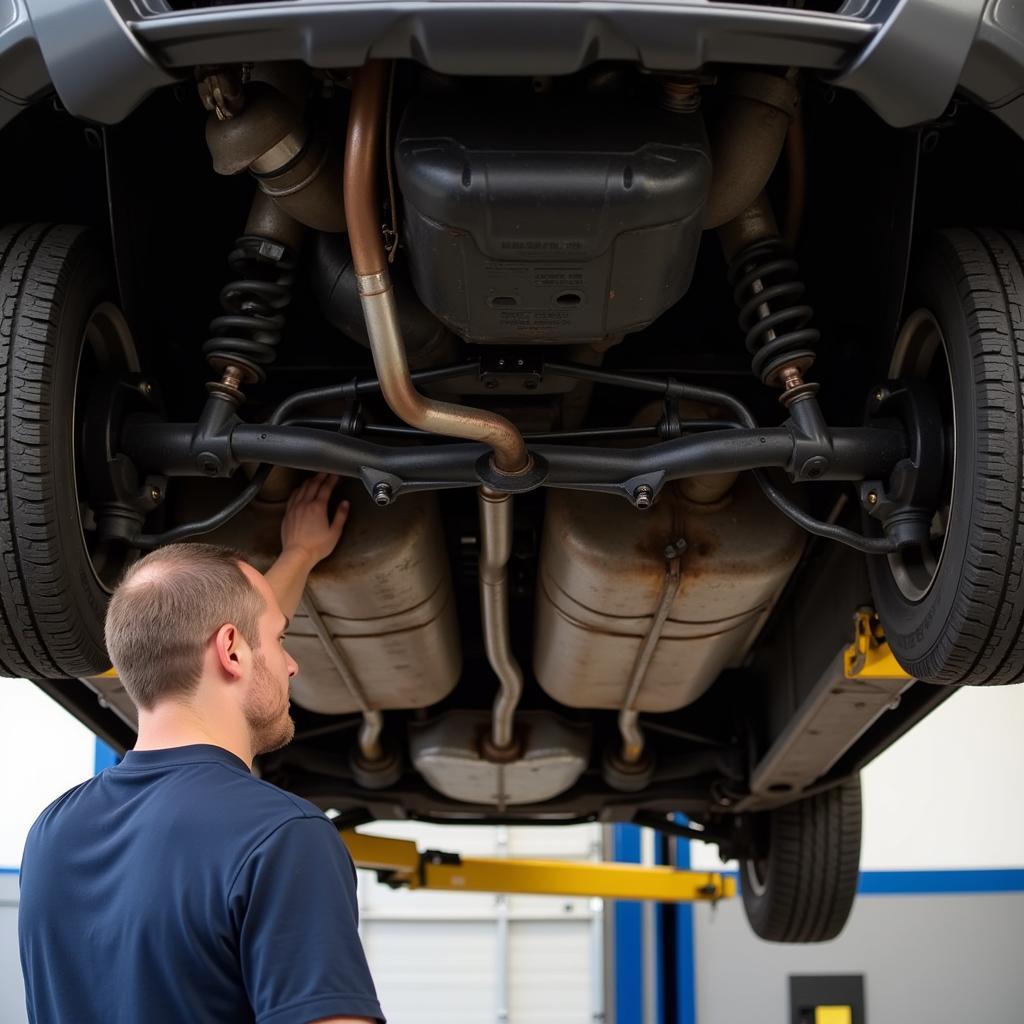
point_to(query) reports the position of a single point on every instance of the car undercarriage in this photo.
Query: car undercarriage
(644, 376)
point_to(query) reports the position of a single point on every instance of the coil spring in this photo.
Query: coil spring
(766, 287)
(247, 334)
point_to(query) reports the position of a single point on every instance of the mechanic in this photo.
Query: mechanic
(175, 886)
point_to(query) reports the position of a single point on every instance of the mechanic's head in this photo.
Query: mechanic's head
(197, 625)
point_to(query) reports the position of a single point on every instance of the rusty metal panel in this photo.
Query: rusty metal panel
(601, 573)
(386, 596)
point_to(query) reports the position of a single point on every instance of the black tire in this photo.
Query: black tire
(802, 887)
(960, 621)
(54, 280)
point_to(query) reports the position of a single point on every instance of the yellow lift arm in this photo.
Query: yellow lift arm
(399, 863)
(869, 656)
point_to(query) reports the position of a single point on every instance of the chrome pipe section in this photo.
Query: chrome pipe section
(259, 129)
(495, 552)
(629, 717)
(376, 294)
(373, 721)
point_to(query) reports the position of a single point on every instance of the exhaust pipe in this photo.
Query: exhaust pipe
(495, 552)
(747, 141)
(362, 148)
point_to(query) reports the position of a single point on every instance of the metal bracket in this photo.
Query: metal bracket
(869, 656)
(399, 863)
(861, 683)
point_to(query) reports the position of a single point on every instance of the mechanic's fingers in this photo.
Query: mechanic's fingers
(306, 491)
(340, 517)
(326, 484)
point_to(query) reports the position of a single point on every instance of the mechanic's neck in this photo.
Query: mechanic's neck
(173, 723)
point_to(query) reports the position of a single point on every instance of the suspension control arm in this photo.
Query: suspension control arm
(180, 449)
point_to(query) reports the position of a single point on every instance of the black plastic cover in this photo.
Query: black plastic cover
(548, 224)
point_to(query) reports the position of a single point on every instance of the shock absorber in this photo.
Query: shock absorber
(767, 288)
(245, 337)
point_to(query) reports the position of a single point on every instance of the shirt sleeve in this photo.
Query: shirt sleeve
(294, 907)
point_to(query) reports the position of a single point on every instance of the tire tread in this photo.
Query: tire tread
(42, 634)
(813, 868)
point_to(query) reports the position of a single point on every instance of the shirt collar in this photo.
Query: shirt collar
(193, 753)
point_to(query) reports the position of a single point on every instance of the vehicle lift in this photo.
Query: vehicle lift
(400, 864)
(864, 676)
(862, 682)
(859, 684)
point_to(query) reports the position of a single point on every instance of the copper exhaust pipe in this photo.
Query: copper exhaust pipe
(362, 148)
(495, 552)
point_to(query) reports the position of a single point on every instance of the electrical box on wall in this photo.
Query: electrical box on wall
(827, 999)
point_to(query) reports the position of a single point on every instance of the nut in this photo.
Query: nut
(382, 494)
(643, 497)
(208, 463)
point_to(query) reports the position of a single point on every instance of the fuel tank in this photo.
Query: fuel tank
(385, 595)
(602, 574)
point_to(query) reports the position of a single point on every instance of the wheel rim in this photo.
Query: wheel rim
(106, 348)
(921, 354)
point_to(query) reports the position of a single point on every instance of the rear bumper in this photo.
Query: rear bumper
(904, 57)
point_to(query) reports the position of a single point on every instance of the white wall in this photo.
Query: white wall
(43, 753)
(947, 795)
(475, 958)
(434, 956)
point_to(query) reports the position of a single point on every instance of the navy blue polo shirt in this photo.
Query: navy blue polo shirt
(176, 888)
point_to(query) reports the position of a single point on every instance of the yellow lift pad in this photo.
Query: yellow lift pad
(400, 863)
(869, 656)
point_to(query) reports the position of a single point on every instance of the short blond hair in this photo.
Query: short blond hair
(165, 610)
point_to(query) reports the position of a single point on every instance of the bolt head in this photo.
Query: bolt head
(146, 388)
(872, 497)
(155, 494)
(815, 467)
(643, 497)
(382, 494)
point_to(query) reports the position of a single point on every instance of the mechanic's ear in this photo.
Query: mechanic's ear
(231, 649)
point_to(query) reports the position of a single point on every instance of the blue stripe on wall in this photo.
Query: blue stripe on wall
(103, 757)
(628, 918)
(907, 883)
(953, 881)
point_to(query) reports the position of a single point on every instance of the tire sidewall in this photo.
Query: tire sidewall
(918, 631)
(88, 283)
(758, 906)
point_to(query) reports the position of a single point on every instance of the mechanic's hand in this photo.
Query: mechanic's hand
(305, 528)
